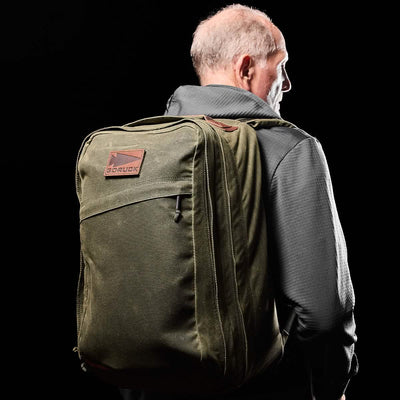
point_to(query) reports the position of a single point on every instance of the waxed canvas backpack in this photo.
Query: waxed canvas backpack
(174, 292)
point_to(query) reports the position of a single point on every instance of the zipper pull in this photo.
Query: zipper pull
(76, 350)
(178, 211)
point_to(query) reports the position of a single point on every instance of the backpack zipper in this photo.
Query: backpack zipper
(239, 308)
(178, 211)
(211, 235)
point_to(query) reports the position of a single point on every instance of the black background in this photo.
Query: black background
(70, 67)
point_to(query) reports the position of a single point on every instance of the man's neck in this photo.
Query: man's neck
(217, 78)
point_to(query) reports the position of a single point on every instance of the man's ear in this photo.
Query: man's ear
(244, 71)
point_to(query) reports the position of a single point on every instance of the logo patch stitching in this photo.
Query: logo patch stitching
(124, 162)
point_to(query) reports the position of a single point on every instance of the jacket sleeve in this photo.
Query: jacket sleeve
(312, 272)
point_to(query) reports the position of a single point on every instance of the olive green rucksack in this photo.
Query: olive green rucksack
(174, 291)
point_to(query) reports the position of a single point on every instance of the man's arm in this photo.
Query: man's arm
(312, 270)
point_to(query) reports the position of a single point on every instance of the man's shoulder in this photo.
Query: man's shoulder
(277, 141)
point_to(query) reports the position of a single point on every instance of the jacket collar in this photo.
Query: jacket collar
(218, 101)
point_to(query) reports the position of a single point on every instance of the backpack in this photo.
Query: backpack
(174, 292)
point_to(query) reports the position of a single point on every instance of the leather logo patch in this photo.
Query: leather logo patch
(124, 162)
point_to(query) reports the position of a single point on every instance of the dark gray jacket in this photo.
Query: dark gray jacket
(307, 246)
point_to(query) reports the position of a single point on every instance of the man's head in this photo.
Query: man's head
(240, 46)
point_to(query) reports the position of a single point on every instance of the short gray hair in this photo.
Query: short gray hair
(218, 42)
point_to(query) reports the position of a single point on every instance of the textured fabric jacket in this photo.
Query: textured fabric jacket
(307, 246)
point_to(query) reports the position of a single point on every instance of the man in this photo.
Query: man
(239, 56)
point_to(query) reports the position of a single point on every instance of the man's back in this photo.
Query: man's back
(306, 242)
